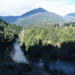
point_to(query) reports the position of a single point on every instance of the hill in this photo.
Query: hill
(39, 15)
(9, 19)
(71, 14)
(40, 18)
(71, 17)
(3, 24)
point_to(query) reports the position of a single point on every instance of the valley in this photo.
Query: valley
(37, 42)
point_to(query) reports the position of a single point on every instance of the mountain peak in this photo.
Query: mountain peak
(41, 9)
(34, 11)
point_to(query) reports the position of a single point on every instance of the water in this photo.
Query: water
(39, 63)
(17, 54)
(66, 67)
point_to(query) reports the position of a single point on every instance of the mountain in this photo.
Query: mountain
(12, 19)
(34, 11)
(70, 16)
(34, 16)
(39, 15)
(40, 18)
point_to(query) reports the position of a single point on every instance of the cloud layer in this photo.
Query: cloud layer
(18, 7)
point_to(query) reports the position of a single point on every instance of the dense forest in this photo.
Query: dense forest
(50, 41)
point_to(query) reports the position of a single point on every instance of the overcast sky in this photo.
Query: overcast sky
(18, 7)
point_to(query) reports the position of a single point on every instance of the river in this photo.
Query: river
(18, 56)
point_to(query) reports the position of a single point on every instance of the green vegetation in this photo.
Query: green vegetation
(46, 41)
(8, 31)
(49, 42)
(43, 35)
(8, 34)
(47, 35)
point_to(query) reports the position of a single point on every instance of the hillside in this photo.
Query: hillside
(3, 22)
(70, 16)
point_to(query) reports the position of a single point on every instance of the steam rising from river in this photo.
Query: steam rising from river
(17, 55)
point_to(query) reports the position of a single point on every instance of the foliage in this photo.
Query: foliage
(49, 42)
(7, 35)
(48, 35)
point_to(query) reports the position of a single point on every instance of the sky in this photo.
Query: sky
(19, 7)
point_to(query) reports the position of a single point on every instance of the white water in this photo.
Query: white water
(17, 55)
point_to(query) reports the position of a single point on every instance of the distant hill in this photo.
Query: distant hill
(34, 16)
(10, 19)
(70, 16)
